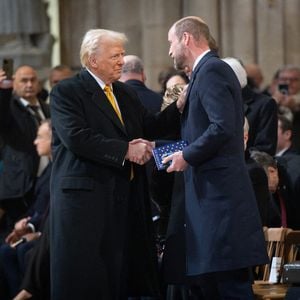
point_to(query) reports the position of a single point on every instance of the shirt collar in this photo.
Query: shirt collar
(27, 103)
(99, 81)
(281, 152)
(199, 58)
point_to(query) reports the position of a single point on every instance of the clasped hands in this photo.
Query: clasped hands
(139, 151)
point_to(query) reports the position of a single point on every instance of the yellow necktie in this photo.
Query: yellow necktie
(111, 98)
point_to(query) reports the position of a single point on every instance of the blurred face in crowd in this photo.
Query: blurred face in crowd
(273, 179)
(176, 79)
(43, 140)
(108, 61)
(26, 83)
(283, 138)
(292, 78)
(177, 50)
(58, 75)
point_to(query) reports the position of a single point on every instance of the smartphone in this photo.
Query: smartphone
(283, 88)
(8, 67)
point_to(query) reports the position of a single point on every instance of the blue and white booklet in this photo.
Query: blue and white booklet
(159, 153)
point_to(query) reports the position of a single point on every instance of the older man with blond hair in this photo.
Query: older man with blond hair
(101, 241)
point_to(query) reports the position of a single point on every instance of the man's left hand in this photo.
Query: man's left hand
(178, 163)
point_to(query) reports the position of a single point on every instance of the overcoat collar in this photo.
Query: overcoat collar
(99, 98)
(196, 70)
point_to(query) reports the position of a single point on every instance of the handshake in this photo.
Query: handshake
(139, 151)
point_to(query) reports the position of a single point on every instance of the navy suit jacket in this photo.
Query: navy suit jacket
(150, 99)
(223, 228)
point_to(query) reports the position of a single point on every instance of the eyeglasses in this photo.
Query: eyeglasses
(289, 79)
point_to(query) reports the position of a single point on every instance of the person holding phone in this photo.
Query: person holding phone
(288, 88)
(21, 112)
(287, 96)
(6, 74)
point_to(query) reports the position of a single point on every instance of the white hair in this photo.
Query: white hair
(91, 42)
(238, 69)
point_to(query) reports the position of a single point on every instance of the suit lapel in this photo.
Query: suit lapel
(100, 99)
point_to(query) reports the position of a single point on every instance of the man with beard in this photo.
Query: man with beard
(222, 226)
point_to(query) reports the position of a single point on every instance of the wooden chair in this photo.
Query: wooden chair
(284, 243)
(292, 246)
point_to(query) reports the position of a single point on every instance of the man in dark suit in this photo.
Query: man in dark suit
(101, 241)
(260, 110)
(284, 141)
(134, 75)
(20, 115)
(223, 232)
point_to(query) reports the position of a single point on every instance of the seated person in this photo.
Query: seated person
(284, 140)
(259, 181)
(28, 229)
(281, 194)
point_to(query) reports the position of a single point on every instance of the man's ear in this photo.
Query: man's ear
(93, 61)
(186, 37)
(288, 134)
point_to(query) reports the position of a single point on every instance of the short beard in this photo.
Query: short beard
(180, 61)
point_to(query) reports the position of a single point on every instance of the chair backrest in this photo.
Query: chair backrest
(292, 246)
(275, 239)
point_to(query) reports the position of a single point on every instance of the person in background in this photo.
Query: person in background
(288, 157)
(284, 140)
(255, 76)
(21, 112)
(27, 230)
(134, 75)
(220, 207)
(272, 86)
(259, 182)
(290, 76)
(161, 186)
(287, 95)
(261, 112)
(59, 73)
(163, 77)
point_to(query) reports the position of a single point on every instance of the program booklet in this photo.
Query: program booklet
(160, 153)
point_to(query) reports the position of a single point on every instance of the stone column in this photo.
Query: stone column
(291, 44)
(76, 17)
(270, 36)
(237, 29)
(124, 16)
(24, 34)
(157, 17)
(208, 11)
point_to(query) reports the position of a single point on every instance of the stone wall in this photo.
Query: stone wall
(261, 31)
